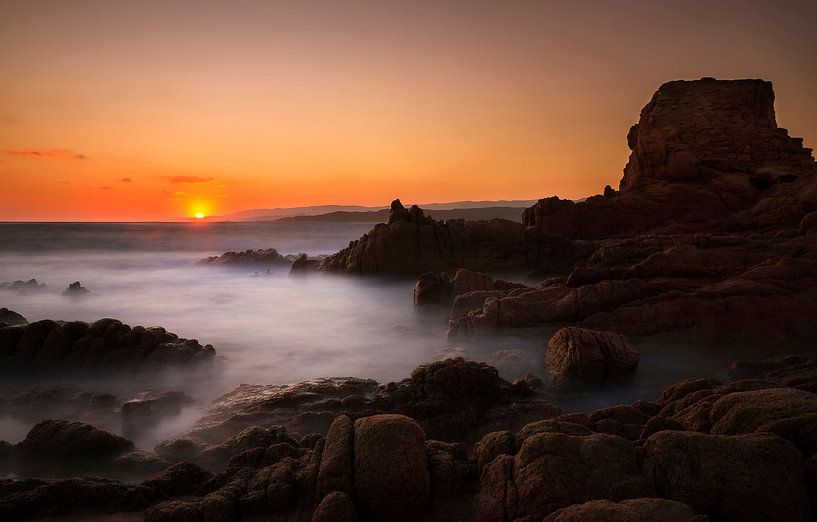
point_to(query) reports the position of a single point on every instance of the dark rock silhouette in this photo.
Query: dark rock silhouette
(11, 318)
(577, 357)
(23, 287)
(76, 290)
(261, 258)
(105, 346)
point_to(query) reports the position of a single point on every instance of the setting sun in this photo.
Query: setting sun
(199, 216)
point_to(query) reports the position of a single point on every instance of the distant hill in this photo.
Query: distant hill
(273, 214)
(381, 216)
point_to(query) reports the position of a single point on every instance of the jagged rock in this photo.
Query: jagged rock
(638, 509)
(11, 318)
(390, 468)
(304, 264)
(261, 258)
(576, 357)
(728, 477)
(493, 445)
(22, 287)
(412, 243)
(76, 290)
(105, 346)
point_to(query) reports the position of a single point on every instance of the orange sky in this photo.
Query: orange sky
(156, 110)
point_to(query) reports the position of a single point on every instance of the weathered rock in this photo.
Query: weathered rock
(390, 468)
(47, 347)
(72, 440)
(335, 507)
(22, 287)
(338, 456)
(184, 478)
(576, 357)
(639, 509)
(260, 258)
(11, 318)
(553, 470)
(728, 477)
(76, 290)
(412, 243)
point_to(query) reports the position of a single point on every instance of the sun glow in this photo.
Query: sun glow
(199, 216)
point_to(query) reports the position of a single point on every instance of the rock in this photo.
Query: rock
(47, 347)
(184, 478)
(433, 289)
(11, 318)
(338, 457)
(259, 258)
(72, 440)
(639, 509)
(147, 408)
(576, 357)
(304, 264)
(335, 507)
(174, 511)
(493, 445)
(553, 470)
(80, 495)
(22, 287)
(390, 468)
(180, 449)
(728, 477)
(76, 290)
(412, 243)
(449, 471)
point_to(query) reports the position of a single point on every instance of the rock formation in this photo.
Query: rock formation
(577, 357)
(105, 346)
(263, 258)
(75, 290)
(11, 318)
(704, 450)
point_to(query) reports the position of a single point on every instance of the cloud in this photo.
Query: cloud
(51, 154)
(189, 179)
(126, 180)
(107, 187)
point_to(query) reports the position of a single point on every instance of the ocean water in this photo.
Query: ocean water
(267, 329)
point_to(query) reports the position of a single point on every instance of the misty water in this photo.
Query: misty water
(266, 328)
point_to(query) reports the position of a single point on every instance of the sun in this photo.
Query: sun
(199, 216)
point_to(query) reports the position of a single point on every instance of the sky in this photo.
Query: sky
(154, 110)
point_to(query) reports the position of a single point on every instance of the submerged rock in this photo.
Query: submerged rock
(261, 258)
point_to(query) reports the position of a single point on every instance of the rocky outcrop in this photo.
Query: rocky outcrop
(749, 455)
(22, 287)
(11, 318)
(580, 357)
(440, 289)
(262, 258)
(74, 440)
(75, 290)
(412, 243)
(47, 347)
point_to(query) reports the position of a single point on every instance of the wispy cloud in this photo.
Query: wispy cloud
(126, 180)
(50, 154)
(106, 187)
(189, 179)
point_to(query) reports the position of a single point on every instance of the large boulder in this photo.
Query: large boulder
(56, 438)
(576, 357)
(335, 472)
(553, 470)
(756, 477)
(390, 468)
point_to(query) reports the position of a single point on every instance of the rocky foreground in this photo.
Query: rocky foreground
(452, 442)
